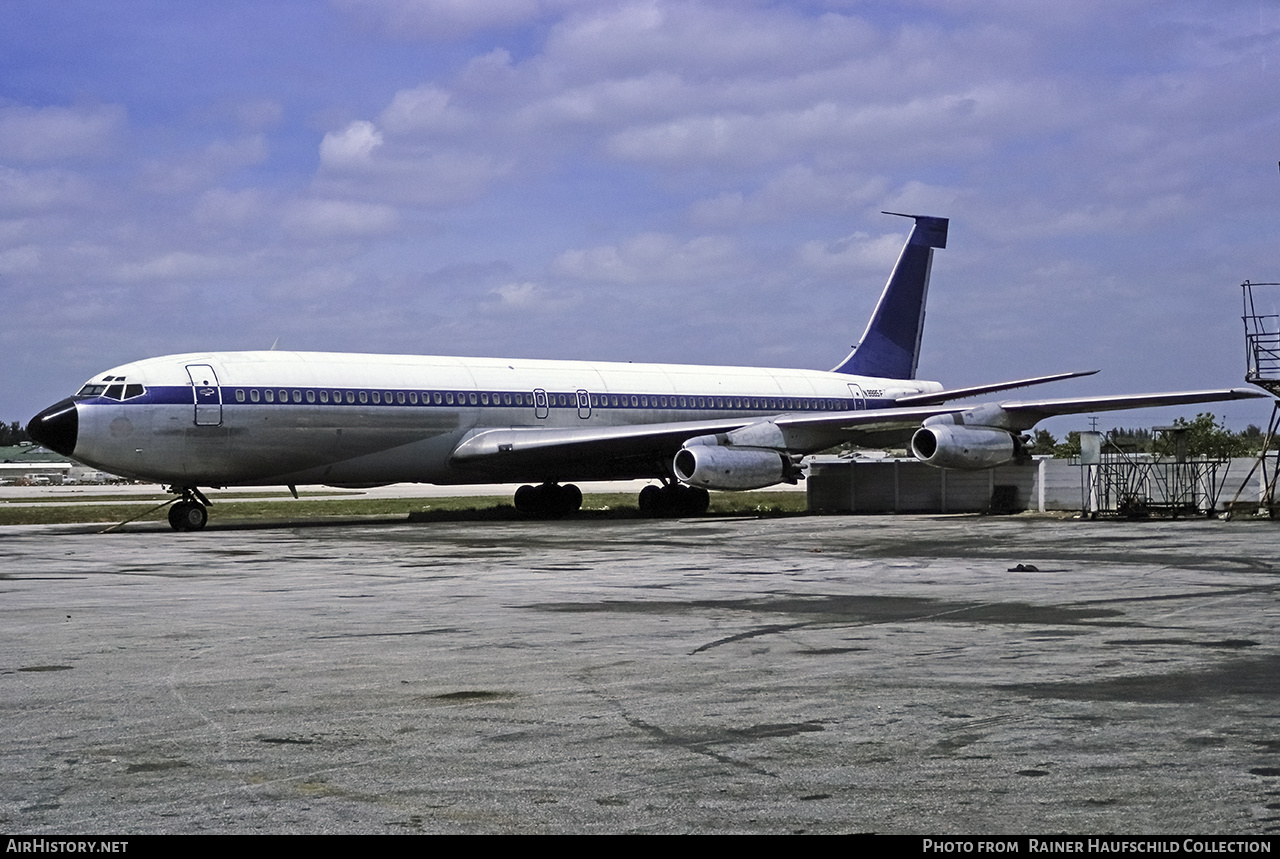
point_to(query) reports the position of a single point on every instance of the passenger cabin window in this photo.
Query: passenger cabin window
(269, 395)
(253, 395)
(239, 395)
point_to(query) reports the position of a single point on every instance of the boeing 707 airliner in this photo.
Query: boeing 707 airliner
(221, 419)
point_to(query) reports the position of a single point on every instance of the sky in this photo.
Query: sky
(686, 182)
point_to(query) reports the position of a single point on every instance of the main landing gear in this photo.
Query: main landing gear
(189, 512)
(554, 501)
(674, 499)
(549, 500)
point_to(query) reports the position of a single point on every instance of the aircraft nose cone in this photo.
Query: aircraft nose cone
(56, 427)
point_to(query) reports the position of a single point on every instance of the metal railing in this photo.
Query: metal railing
(1262, 341)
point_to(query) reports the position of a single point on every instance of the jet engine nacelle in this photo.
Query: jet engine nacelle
(718, 467)
(944, 446)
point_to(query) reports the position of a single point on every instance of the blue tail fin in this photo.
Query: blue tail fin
(890, 347)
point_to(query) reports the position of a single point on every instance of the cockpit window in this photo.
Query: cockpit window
(114, 391)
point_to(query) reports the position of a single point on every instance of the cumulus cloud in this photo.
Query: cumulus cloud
(526, 297)
(405, 164)
(338, 219)
(350, 148)
(201, 167)
(222, 207)
(30, 191)
(703, 40)
(651, 258)
(314, 283)
(950, 125)
(797, 188)
(449, 19)
(519, 296)
(176, 266)
(422, 109)
(856, 253)
(25, 260)
(438, 179)
(43, 134)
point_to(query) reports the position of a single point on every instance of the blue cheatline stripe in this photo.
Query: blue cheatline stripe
(390, 397)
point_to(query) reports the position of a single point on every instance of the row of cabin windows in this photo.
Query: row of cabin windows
(484, 398)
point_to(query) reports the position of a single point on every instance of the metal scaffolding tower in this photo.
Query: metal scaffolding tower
(1119, 483)
(1262, 368)
(1262, 342)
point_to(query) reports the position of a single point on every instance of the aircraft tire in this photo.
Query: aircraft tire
(197, 517)
(573, 497)
(176, 512)
(674, 499)
(548, 500)
(526, 499)
(699, 500)
(650, 501)
(188, 516)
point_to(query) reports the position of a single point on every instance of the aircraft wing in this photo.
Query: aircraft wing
(541, 445)
(635, 449)
(978, 390)
(1020, 414)
(640, 450)
(1031, 412)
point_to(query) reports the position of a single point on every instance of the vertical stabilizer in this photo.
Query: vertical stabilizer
(890, 347)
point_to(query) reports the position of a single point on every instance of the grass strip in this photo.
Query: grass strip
(621, 505)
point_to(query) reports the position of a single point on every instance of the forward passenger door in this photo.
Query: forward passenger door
(207, 395)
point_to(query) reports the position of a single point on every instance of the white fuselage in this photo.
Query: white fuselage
(240, 418)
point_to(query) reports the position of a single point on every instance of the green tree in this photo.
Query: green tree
(1253, 437)
(1205, 437)
(1130, 440)
(12, 434)
(1070, 446)
(1042, 443)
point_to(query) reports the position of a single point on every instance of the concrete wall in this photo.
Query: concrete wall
(907, 486)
